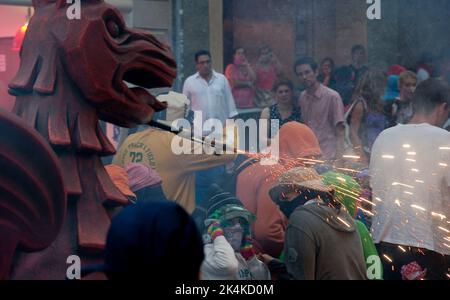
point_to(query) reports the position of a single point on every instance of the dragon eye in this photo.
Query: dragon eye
(113, 28)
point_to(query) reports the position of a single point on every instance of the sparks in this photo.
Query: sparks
(403, 249)
(348, 170)
(366, 211)
(345, 223)
(351, 156)
(443, 164)
(410, 160)
(341, 179)
(412, 153)
(398, 203)
(438, 215)
(443, 229)
(446, 245)
(444, 148)
(408, 193)
(361, 199)
(447, 239)
(407, 146)
(312, 160)
(420, 181)
(388, 258)
(388, 156)
(378, 199)
(418, 207)
(402, 184)
(415, 170)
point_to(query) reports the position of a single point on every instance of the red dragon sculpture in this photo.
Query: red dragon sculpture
(72, 75)
(32, 195)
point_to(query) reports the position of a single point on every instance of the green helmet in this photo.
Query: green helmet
(231, 211)
(347, 190)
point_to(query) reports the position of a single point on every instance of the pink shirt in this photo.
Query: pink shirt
(322, 112)
(242, 96)
(266, 77)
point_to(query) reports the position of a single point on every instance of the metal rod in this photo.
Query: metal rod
(122, 5)
(202, 140)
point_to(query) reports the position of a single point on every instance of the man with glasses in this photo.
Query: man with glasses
(209, 91)
(210, 94)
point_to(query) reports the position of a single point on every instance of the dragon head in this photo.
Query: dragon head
(99, 54)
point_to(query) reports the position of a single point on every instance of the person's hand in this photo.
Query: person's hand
(215, 229)
(265, 258)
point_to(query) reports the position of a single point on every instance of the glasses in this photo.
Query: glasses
(206, 62)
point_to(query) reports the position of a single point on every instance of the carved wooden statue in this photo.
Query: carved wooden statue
(32, 195)
(72, 75)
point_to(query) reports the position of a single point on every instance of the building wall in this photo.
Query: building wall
(317, 28)
(329, 28)
(253, 23)
(408, 28)
(195, 33)
(155, 16)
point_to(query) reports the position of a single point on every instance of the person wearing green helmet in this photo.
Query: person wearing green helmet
(229, 253)
(347, 191)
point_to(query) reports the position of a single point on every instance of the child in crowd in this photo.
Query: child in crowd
(229, 253)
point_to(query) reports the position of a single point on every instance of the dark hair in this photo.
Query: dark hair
(329, 59)
(429, 94)
(305, 61)
(262, 48)
(200, 53)
(357, 48)
(237, 48)
(282, 81)
(371, 88)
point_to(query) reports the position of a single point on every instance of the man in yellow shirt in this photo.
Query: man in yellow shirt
(152, 147)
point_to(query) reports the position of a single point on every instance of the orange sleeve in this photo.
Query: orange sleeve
(252, 189)
(270, 225)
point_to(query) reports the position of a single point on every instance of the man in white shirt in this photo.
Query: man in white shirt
(209, 91)
(210, 94)
(410, 178)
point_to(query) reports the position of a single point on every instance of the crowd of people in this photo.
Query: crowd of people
(361, 189)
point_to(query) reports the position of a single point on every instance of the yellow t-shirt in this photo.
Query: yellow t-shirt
(152, 147)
